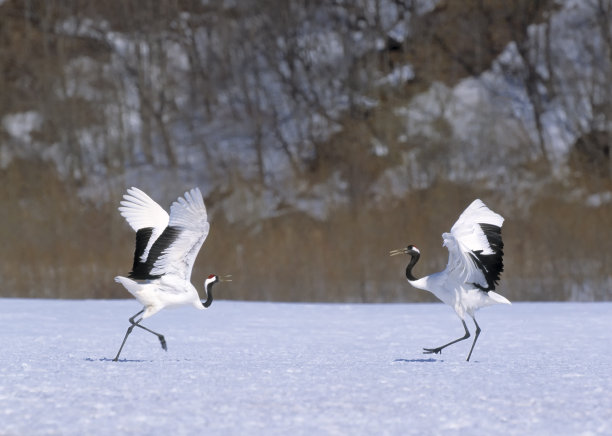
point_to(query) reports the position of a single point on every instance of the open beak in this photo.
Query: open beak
(398, 251)
(226, 278)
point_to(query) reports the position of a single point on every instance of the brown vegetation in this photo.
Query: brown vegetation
(61, 61)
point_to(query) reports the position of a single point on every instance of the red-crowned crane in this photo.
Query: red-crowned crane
(475, 263)
(166, 248)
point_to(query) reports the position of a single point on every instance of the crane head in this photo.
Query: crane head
(411, 250)
(213, 278)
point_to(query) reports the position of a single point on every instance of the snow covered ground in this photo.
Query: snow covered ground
(273, 368)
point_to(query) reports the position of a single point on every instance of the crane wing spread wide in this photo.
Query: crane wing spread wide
(178, 251)
(475, 247)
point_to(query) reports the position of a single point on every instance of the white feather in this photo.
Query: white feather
(141, 211)
(189, 215)
(467, 236)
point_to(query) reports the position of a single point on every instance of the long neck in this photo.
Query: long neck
(209, 295)
(414, 258)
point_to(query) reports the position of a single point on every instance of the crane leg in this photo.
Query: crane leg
(161, 338)
(133, 323)
(475, 338)
(439, 349)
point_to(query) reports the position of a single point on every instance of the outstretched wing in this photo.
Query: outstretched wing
(175, 250)
(141, 211)
(475, 247)
(148, 220)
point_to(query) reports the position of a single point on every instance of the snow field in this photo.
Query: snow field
(279, 368)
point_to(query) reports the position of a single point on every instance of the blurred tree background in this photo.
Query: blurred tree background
(322, 134)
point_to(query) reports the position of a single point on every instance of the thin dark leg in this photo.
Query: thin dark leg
(475, 338)
(127, 333)
(131, 327)
(161, 338)
(132, 318)
(439, 349)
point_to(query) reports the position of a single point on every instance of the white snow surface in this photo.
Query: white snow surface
(283, 368)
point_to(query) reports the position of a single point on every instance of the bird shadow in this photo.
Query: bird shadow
(106, 359)
(430, 360)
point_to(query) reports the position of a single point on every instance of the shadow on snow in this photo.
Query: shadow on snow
(431, 359)
(106, 359)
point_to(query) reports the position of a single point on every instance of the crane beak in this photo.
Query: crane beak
(398, 251)
(226, 278)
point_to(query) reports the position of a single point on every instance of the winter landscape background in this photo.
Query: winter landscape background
(322, 134)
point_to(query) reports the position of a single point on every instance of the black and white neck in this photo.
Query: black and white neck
(414, 258)
(420, 283)
(415, 254)
(208, 285)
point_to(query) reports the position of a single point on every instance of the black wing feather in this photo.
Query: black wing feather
(491, 265)
(142, 239)
(142, 270)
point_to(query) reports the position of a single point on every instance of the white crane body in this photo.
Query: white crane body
(165, 292)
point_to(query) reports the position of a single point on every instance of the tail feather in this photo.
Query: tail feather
(128, 284)
(498, 298)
